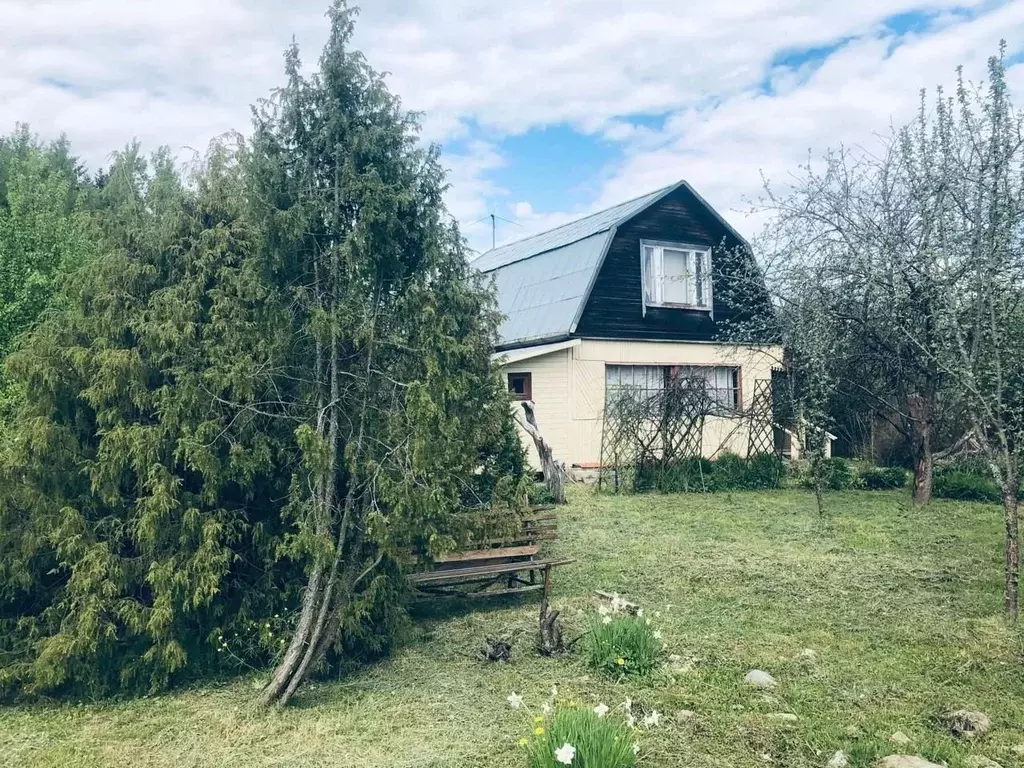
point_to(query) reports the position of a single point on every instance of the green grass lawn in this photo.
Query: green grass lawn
(903, 607)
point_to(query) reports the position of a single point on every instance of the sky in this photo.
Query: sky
(545, 109)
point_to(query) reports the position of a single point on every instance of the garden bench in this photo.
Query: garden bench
(496, 566)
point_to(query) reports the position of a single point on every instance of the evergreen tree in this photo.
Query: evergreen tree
(273, 381)
(44, 234)
(389, 374)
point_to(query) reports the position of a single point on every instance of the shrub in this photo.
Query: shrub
(965, 486)
(692, 474)
(622, 646)
(541, 494)
(730, 471)
(700, 475)
(883, 478)
(764, 471)
(592, 741)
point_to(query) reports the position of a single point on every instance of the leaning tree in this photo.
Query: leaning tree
(387, 374)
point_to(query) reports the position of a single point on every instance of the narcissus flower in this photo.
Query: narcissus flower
(620, 661)
(601, 710)
(539, 731)
(565, 753)
(515, 700)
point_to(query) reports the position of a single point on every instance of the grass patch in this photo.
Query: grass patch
(901, 605)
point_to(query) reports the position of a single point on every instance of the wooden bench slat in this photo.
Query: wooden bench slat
(489, 554)
(431, 577)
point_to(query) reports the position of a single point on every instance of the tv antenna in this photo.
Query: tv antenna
(494, 225)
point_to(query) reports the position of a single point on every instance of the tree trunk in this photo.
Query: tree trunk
(922, 414)
(1011, 593)
(1011, 520)
(554, 471)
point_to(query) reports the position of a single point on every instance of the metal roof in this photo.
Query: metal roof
(540, 297)
(543, 281)
(602, 221)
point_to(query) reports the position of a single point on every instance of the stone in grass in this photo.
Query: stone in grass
(980, 761)
(759, 679)
(684, 716)
(966, 724)
(900, 739)
(1018, 750)
(905, 761)
(838, 760)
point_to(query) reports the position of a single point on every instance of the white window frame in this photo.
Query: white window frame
(693, 252)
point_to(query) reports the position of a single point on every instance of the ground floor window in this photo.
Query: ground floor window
(721, 382)
(520, 385)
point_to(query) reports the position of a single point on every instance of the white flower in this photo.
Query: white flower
(554, 692)
(603, 609)
(617, 603)
(515, 700)
(648, 621)
(601, 710)
(652, 719)
(639, 613)
(630, 720)
(606, 619)
(657, 634)
(627, 705)
(636, 748)
(546, 709)
(565, 753)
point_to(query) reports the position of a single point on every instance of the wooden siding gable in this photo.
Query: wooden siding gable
(614, 307)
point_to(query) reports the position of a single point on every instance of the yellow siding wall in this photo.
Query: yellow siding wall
(549, 376)
(568, 388)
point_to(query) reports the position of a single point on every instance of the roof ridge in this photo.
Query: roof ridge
(580, 219)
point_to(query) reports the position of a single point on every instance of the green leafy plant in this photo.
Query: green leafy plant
(882, 478)
(764, 471)
(622, 646)
(582, 738)
(965, 486)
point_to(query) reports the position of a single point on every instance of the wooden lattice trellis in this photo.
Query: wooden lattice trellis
(647, 431)
(761, 434)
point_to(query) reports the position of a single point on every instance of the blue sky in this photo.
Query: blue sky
(546, 110)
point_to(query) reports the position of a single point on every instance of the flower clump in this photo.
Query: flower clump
(576, 735)
(623, 643)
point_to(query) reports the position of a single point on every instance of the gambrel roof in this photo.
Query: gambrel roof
(543, 281)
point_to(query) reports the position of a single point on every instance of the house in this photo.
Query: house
(635, 296)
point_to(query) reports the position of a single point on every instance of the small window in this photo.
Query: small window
(676, 275)
(520, 386)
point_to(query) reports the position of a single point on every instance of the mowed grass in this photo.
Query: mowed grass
(902, 606)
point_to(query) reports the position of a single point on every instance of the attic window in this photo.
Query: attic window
(676, 275)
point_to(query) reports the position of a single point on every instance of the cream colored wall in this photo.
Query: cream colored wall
(568, 389)
(549, 376)
(590, 358)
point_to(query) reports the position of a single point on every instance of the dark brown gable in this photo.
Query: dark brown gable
(615, 310)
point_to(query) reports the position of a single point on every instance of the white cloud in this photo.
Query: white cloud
(523, 210)
(180, 73)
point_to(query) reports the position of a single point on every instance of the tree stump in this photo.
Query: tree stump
(554, 471)
(551, 641)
